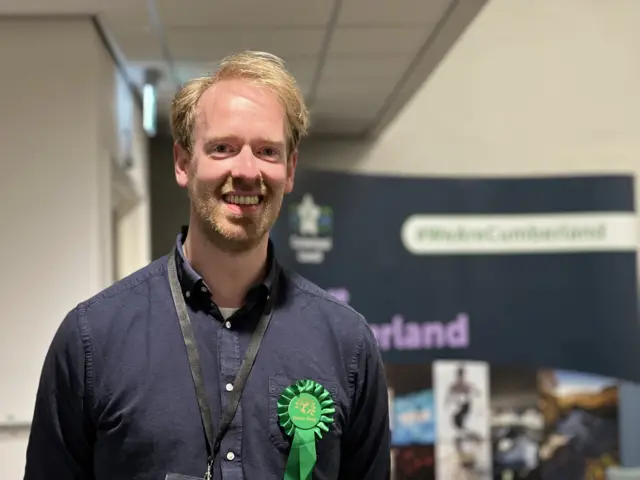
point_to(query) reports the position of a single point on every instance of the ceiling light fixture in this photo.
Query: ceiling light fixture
(150, 101)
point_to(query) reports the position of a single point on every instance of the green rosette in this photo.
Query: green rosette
(305, 411)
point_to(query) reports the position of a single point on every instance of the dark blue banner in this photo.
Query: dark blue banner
(538, 272)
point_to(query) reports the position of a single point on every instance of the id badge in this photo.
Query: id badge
(208, 475)
(177, 476)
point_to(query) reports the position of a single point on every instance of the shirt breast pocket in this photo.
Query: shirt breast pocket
(328, 445)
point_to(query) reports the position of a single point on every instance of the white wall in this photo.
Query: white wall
(133, 226)
(533, 87)
(133, 229)
(58, 133)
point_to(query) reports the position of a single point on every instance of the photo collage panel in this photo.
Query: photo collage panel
(468, 420)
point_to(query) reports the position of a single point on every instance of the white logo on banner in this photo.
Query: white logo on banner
(312, 225)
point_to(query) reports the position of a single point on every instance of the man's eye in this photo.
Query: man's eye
(269, 152)
(221, 148)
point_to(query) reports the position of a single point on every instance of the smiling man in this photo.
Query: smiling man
(214, 361)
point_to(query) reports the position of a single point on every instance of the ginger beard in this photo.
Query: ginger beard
(226, 229)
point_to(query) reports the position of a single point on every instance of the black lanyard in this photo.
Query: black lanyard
(213, 442)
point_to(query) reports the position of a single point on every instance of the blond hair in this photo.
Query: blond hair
(260, 67)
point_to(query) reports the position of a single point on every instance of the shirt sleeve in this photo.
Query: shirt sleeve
(366, 447)
(60, 440)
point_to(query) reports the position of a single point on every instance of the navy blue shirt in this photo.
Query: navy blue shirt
(116, 399)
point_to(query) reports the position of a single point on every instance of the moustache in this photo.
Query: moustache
(236, 186)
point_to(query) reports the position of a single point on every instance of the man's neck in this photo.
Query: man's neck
(229, 276)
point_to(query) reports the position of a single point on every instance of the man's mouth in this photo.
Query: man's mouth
(242, 200)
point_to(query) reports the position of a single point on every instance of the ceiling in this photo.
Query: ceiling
(357, 61)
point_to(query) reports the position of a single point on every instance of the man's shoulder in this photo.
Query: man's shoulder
(119, 293)
(318, 297)
(92, 319)
(329, 309)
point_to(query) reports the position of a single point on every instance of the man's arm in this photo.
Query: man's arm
(60, 440)
(366, 442)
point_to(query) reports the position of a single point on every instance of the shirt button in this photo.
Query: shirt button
(187, 294)
(229, 387)
(204, 289)
(227, 324)
(230, 456)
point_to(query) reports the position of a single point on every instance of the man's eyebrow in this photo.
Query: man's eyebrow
(232, 138)
(272, 142)
(219, 139)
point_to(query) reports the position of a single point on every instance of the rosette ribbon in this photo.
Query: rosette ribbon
(305, 411)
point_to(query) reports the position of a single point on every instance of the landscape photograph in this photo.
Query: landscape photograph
(581, 433)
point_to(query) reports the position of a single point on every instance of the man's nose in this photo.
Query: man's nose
(245, 165)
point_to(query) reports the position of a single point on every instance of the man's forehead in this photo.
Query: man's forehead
(238, 95)
(229, 106)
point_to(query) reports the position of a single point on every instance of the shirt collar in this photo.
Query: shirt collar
(193, 285)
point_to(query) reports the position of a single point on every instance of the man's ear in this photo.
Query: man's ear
(181, 164)
(292, 161)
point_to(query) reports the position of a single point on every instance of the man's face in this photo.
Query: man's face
(239, 170)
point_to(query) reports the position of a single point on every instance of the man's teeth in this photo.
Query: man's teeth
(242, 199)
